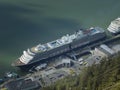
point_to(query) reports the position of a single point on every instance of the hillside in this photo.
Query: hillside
(104, 76)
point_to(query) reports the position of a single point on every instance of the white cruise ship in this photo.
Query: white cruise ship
(42, 52)
(114, 27)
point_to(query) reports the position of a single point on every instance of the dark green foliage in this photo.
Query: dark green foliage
(103, 76)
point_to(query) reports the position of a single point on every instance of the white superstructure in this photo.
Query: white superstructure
(65, 40)
(114, 27)
(26, 56)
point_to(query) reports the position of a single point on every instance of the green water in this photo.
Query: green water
(25, 23)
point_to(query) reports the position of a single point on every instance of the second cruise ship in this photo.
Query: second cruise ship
(114, 26)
